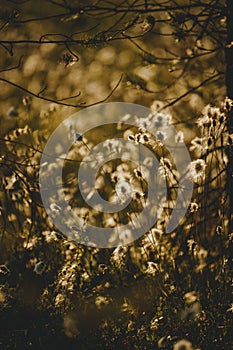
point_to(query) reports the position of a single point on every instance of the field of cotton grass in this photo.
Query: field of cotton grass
(161, 291)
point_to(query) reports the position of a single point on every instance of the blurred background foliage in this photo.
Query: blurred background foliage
(56, 58)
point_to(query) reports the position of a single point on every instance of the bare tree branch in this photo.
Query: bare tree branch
(59, 102)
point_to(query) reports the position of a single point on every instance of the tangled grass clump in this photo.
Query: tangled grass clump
(162, 291)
